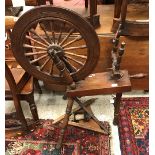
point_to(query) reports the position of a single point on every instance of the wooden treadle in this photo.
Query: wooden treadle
(101, 83)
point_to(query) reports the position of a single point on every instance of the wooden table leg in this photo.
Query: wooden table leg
(93, 7)
(65, 122)
(117, 107)
(86, 3)
(93, 18)
(117, 9)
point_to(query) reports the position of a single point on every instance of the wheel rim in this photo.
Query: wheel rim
(44, 33)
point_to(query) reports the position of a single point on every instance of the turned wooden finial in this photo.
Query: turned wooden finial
(117, 54)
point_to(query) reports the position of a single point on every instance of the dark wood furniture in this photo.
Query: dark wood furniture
(130, 27)
(23, 88)
(93, 17)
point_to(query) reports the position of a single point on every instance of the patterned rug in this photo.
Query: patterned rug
(134, 126)
(42, 141)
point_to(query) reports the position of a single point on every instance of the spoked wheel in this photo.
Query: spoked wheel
(45, 29)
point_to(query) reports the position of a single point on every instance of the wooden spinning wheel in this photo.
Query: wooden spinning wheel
(58, 46)
(45, 32)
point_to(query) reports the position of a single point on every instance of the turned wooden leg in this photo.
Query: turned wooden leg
(33, 108)
(65, 122)
(117, 107)
(86, 3)
(20, 114)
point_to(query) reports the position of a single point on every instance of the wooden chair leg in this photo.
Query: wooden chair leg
(86, 3)
(117, 107)
(20, 114)
(93, 7)
(65, 122)
(117, 10)
(33, 108)
(51, 2)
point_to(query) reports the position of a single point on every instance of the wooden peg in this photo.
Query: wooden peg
(121, 49)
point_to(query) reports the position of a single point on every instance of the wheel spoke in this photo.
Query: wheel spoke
(44, 64)
(70, 66)
(51, 70)
(42, 57)
(78, 62)
(60, 34)
(74, 40)
(44, 40)
(76, 55)
(43, 28)
(34, 47)
(35, 53)
(65, 39)
(74, 48)
(36, 41)
(52, 30)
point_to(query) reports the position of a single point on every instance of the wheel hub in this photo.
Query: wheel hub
(56, 49)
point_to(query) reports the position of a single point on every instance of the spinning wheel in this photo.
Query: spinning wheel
(59, 46)
(47, 33)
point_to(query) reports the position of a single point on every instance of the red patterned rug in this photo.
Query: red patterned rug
(42, 142)
(134, 126)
